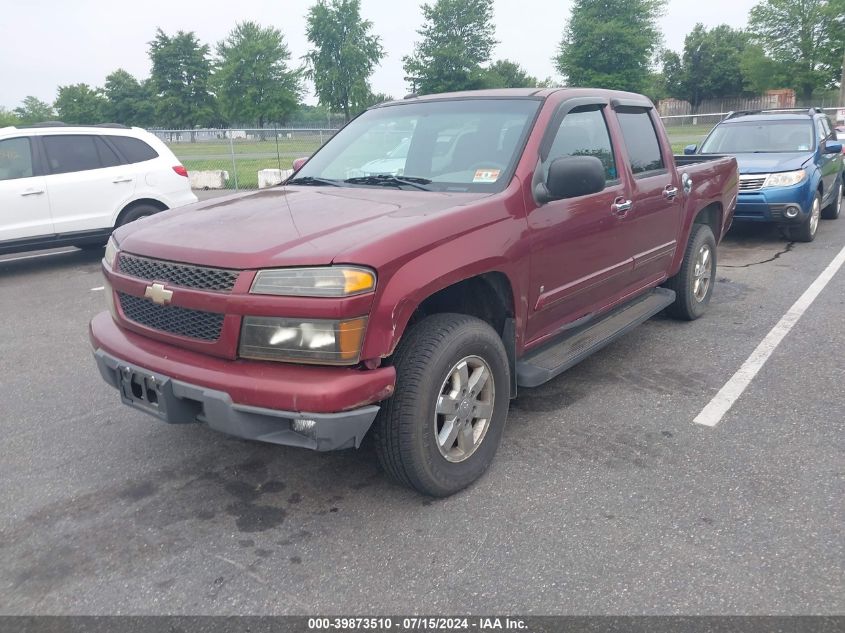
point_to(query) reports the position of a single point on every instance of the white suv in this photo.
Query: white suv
(63, 184)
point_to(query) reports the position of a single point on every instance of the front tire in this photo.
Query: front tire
(806, 231)
(693, 285)
(440, 431)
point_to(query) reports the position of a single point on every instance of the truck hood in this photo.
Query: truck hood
(282, 226)
(768, 163)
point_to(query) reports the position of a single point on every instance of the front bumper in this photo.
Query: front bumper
(178, 402)
(770, 204)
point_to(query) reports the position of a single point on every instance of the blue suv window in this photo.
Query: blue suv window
(760, 136)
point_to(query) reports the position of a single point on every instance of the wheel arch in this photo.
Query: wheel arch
(485, 294)
(154, 202)
(711, 215)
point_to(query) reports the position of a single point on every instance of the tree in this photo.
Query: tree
(33, 110)
(79, 104)
(254, 84)
(711, 66)
(457, 39)
(760, 72)
(806, 36)
(128, 101)
(344, 54)
(180, 78)
(7, 117)
(507, 74)
(610, 43)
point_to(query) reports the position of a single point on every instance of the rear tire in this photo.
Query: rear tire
(433, 434)
(136, 213)
(831, 211)
(806, 231)
(693, 285)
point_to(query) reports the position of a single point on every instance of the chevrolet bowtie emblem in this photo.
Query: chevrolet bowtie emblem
(159, 294)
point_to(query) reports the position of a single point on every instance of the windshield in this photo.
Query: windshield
(760, 136)
(455, 145)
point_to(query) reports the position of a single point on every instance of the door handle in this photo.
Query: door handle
(33, 192)
(670, 191)
(121, 179)
(621, 206)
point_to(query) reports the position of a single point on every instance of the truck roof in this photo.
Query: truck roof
(628, 98)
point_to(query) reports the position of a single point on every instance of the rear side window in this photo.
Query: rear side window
(641, 141)
(134, 150)
(584, 133)
(69, 153)
(15, 158)
(107, 156)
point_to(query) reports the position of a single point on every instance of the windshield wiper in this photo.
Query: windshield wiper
(311, 180)
(388, 180)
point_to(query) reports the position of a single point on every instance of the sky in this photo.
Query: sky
(48, 43)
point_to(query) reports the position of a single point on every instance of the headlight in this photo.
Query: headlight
(785, 178)
(111, 252)
(302, 341)
(330, 281)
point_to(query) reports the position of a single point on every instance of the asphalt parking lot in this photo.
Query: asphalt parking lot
(605, 497)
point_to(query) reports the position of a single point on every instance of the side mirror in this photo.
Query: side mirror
(833, 147)
(299, 162)
(690, 149)
(571, 177)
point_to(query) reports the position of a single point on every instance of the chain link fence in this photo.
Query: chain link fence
(235, 158)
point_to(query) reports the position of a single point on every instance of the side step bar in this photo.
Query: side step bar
(542, 365)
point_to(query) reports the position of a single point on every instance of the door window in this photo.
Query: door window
(72, 152)
(822, 131)
(584, 133)
(641, 142)
(15, 158)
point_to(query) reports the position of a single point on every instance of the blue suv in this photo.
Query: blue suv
(790, 166)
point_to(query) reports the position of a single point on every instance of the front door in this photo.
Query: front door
(580, 261)
(24, 203)
(829, 164)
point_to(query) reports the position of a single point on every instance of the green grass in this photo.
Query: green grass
(247, 169)
(250, 157)
(682, 135)
(295, 147)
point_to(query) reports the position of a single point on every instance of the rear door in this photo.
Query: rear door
(24, 203)
(653, 224)
(580, 262)
(87, 182)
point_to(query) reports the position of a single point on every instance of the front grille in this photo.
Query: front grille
(184, 275)
(197, 324)
(752, 183)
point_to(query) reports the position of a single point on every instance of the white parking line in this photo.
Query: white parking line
(721, 403)
(17, 259)
(98, 288)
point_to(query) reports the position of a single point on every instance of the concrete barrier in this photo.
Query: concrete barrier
(270, 177)
(212, 179)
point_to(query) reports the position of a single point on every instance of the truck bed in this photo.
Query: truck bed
(694, 159)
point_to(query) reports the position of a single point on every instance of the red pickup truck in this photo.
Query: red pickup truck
(434, 256)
